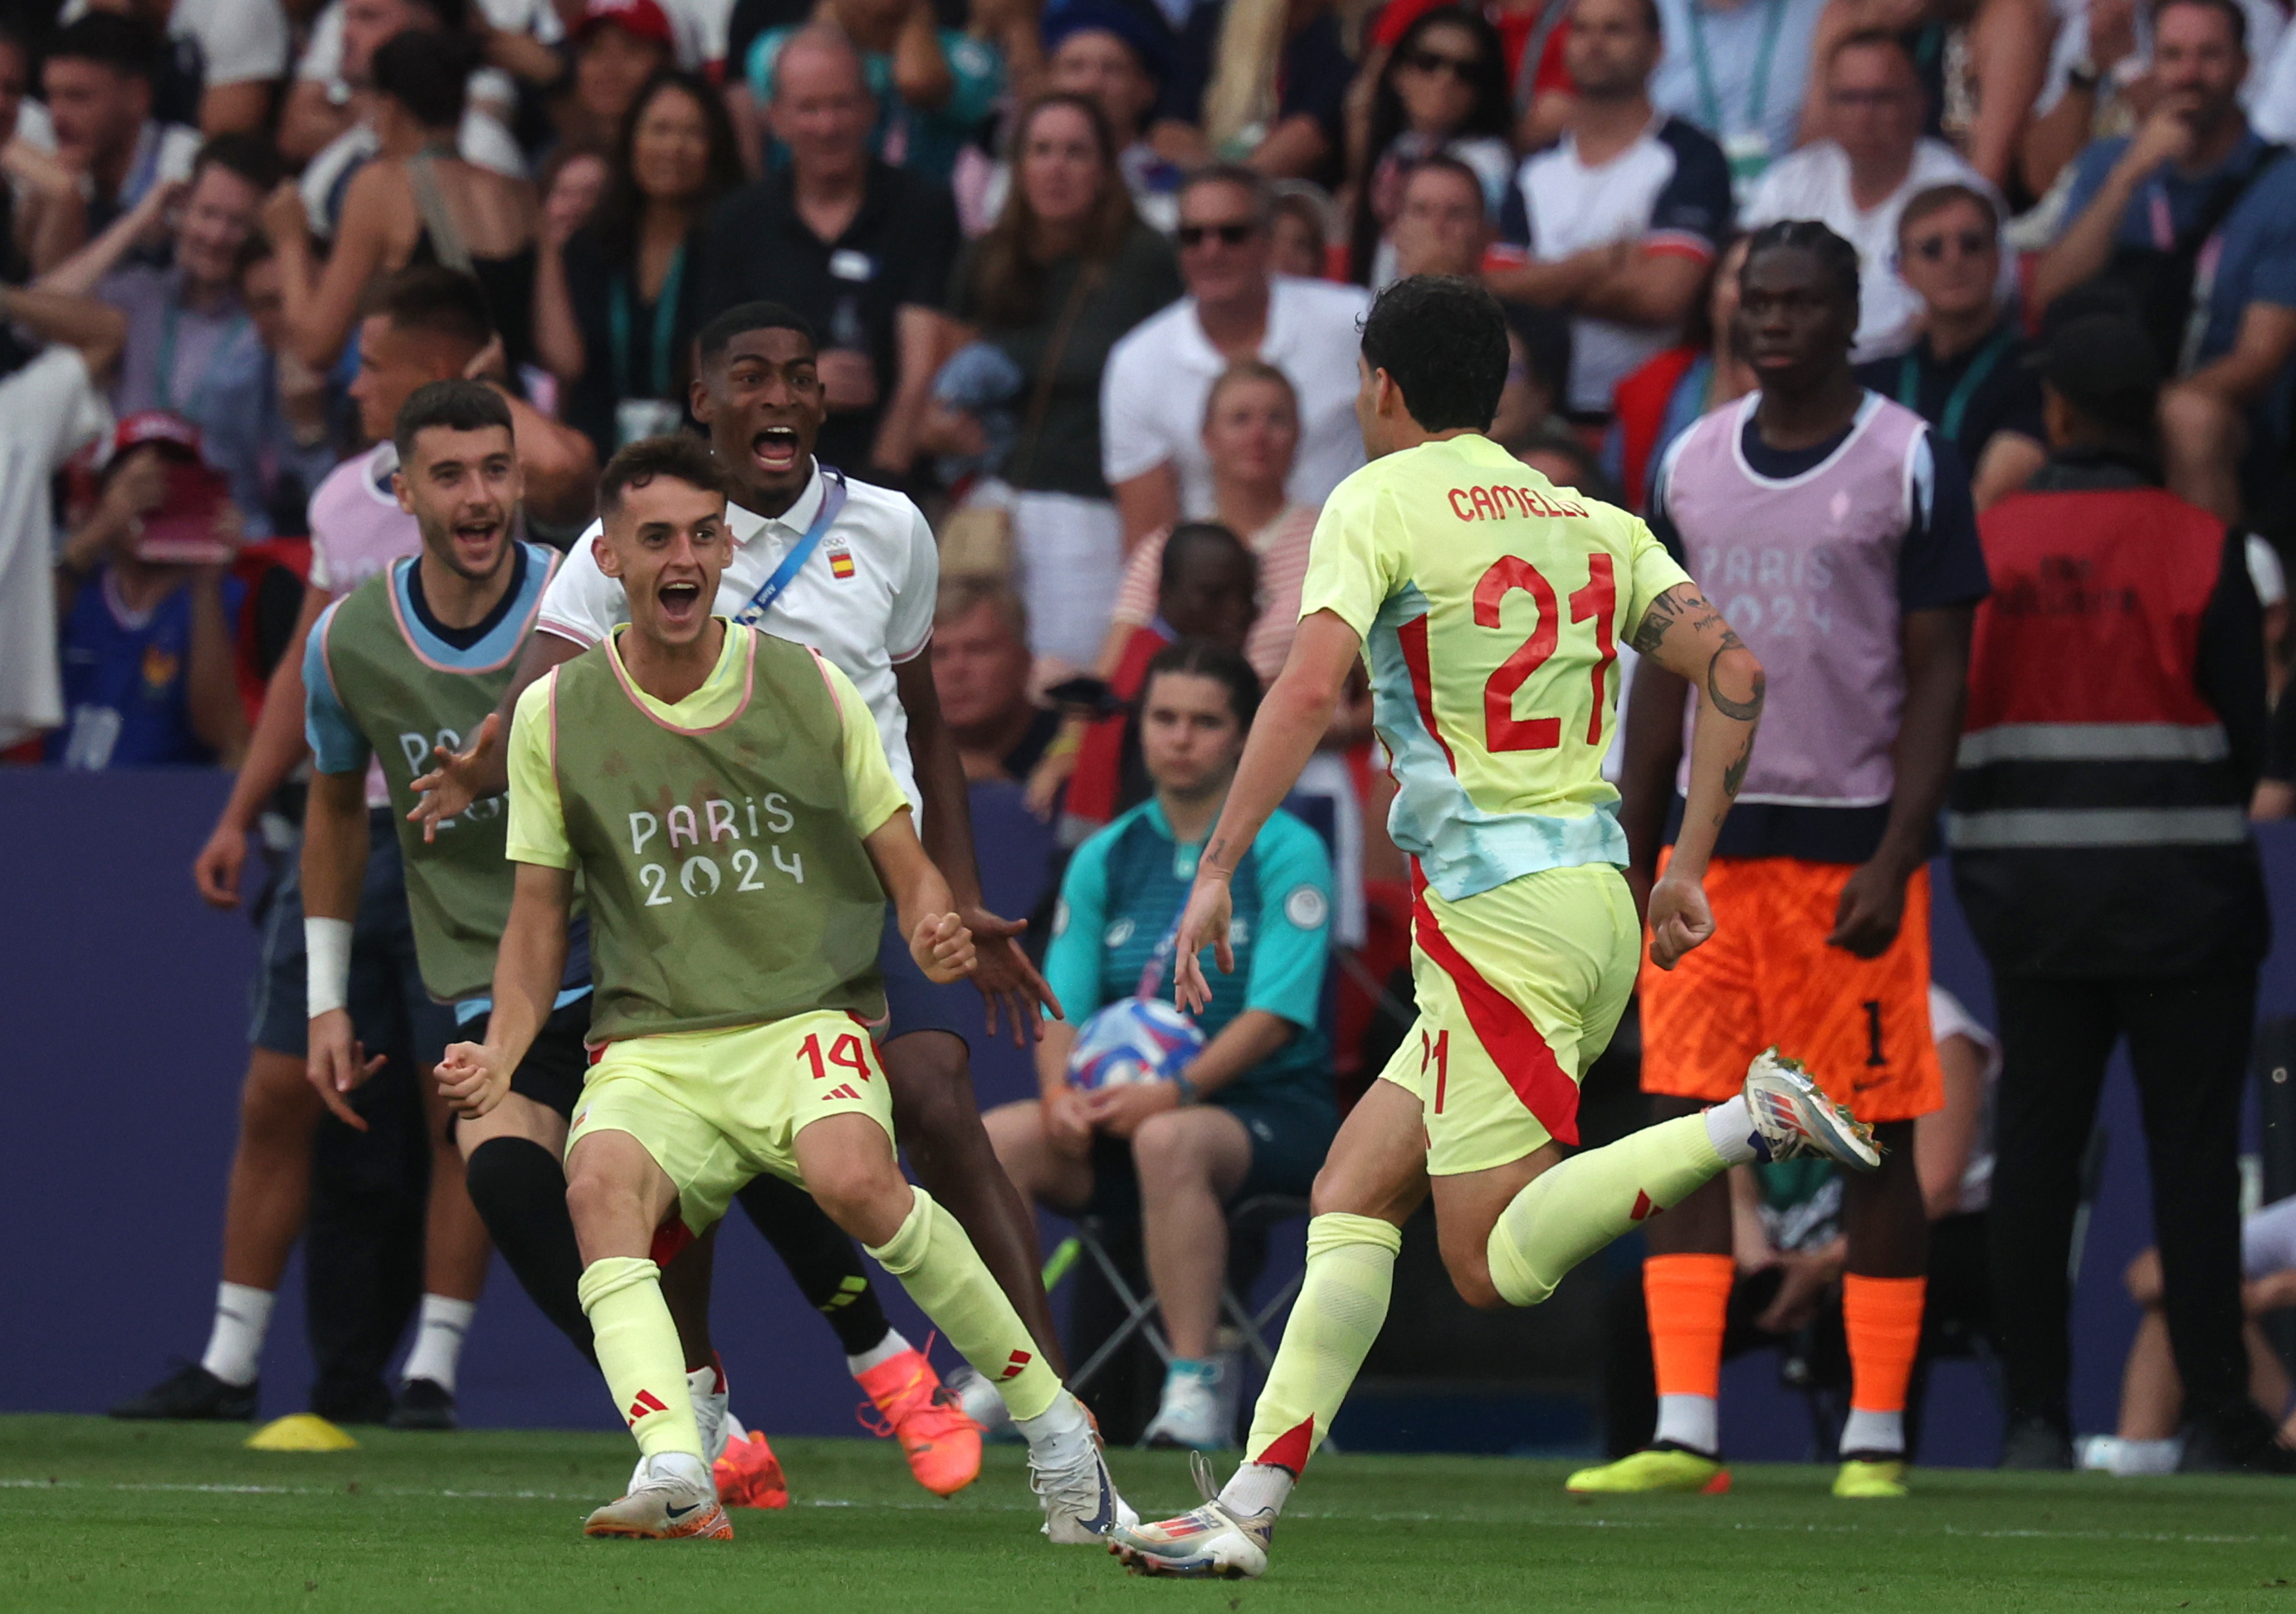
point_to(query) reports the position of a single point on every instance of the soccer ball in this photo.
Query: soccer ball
(1133, 1040)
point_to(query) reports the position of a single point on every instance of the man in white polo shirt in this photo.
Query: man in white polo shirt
(1616, 224)
(1152, 392)
(850, 569)
(1857, 181)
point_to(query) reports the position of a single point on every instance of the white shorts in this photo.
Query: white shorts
(2268, 1239)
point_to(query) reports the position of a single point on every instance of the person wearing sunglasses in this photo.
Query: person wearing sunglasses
(1966, 373)
(1443, 92)
(1857, 180)
(1158, 376)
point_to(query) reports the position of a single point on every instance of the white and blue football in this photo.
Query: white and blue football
(1133, 1040)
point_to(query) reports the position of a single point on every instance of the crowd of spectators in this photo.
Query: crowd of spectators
(1086, 276)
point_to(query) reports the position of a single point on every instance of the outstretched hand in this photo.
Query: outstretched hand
(336, 1062)
(1005, 976)
(1203, 923)
(449, 788)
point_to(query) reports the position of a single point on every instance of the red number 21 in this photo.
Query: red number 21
(1502, 729)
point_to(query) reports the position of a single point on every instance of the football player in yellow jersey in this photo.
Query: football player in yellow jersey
(1489, 604)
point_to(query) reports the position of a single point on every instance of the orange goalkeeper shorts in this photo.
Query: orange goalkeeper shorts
(1862, 1026)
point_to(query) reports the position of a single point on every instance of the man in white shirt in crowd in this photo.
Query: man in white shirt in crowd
(228, 54)
(1738, 69)
(97, 80)
(1152, 392)
(50, 409)
(1858, 181)
(1617, 223)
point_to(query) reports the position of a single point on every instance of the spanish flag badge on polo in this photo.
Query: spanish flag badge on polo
(840, 563)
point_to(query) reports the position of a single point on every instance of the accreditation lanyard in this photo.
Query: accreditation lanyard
(1757, 92)
(163, 379)
(1956, 402)
(833, 501)
(665, 329)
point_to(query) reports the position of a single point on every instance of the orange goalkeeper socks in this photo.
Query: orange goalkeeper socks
(1883, 1317)
(1689, 1301)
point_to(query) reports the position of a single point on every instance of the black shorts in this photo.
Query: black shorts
(389, 1007)
(556, 1065)
(913, 1002)
(1290, 1138)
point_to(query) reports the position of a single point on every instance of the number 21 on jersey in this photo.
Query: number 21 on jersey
(1502, 730)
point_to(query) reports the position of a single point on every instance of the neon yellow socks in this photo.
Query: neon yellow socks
(936, 1264)
(638, 1352)
(1565, 1214)
(1342, 1305)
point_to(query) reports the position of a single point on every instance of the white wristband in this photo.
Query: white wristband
(327, 953)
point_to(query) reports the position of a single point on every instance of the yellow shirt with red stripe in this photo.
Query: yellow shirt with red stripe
(1490, 604)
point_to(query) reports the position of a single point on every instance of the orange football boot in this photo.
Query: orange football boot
(942, 1445)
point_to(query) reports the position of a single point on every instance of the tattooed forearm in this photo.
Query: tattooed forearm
(1664, 612)
(1745, 710)
(1734, 776)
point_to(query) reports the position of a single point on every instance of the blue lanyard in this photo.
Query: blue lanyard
(665, 329)
(1757, 92)
(833, 501)
(1956, 402)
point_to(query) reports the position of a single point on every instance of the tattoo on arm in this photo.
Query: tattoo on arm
(1734, 776)
(1664, 612)
(1745, 710)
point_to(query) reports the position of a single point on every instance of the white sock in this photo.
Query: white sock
(1690, 1421)
(1258, 1487)
(1730, 1128)
(1864, 1431)
(1064, 1419)
(2137, 1457)
(891, 1346)
(439, 1331)
(242, 1315)
(676, 1465)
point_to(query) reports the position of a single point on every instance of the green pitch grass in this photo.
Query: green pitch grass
(106, 1516)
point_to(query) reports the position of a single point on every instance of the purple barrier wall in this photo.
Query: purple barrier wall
(127, 1037)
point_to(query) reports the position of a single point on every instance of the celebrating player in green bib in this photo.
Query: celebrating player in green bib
(726, 799)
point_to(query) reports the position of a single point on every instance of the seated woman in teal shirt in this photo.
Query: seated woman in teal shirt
(1253, 1112)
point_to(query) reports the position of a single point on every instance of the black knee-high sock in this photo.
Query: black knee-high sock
(520, 1189)
(820, 1258)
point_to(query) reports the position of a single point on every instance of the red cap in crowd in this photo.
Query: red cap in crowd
(163, 426)
(642, 19)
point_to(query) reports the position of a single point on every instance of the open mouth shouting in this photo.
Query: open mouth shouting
(478, 540)
(681, 600)
(776, 451)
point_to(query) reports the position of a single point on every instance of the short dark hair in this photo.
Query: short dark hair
(426, 73)
(252, 159)
(1836, 257)
(458, 405)
(437, 302)
(678, 455)
(1442, 339)
(1937, 197)
(2229, 10)
(1251, 182)
(1202, 658)
(1882, 39)
(1443, 162)
(123, 44)
(1193, 538)
(743, 317)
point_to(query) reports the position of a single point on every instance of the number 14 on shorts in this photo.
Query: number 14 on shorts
(848, 1052)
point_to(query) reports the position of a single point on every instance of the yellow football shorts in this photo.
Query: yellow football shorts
(1520, 988)
(716, 1108)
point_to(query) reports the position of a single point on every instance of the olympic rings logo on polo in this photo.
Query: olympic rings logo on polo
(1501, 502)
